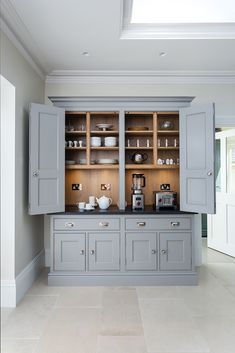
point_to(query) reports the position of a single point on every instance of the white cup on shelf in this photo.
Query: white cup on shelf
(81, 205)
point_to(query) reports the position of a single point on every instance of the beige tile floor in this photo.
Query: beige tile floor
(128, 319)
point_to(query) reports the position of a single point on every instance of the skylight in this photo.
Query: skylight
(183, 11)
(178, 19)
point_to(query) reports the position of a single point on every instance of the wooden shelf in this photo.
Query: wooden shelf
(92, 166)
(140, 132)
(77, 132)
(168, 148)
(139, 148)
(104, 133)
(104, 148)
(168, 132)
(151, 166)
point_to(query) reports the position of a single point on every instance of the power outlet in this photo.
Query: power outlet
(105, 186)
(76, 187)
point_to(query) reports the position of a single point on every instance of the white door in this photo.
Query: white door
(197, 137)
(221, 227)
(46, 159)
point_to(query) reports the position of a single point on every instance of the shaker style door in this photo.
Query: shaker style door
(197, 179)
(69, 252)
(104, 251)
(46, 159)
(141, 251)
(175, 251)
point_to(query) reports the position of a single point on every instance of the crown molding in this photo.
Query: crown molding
(140, 77)
(14, 29)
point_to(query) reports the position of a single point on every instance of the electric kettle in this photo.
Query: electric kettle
(139, 158)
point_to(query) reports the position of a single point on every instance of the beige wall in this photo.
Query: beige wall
(29, 88)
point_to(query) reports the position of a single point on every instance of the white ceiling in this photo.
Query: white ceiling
(57, 32)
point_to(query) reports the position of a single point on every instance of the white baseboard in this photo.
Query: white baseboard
(47, 257)
(13, 291)
(8, 294)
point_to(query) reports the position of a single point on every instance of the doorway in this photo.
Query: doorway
(221, 229)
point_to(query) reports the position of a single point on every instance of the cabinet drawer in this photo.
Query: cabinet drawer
(86, 224)
(158, 223)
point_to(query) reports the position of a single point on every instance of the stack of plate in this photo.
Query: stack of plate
(95, 141)
(68, 162)
(110, 141)
(107, 161)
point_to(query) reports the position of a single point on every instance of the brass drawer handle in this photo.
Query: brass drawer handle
(92, 252)
(175, 224)
(104, 224)
(141, 224)
(82, 252)
(154, 251)
(163, 252)
(69, 224)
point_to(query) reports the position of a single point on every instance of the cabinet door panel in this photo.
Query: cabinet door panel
(197, 140)
(46, 155)
(141, 251)
(69, 252)
(175, 251)
(104, 251)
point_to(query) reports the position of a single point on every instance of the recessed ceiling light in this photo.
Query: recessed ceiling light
(86, 53)
(162, 53)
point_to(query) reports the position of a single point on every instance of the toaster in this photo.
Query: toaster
(165, 199)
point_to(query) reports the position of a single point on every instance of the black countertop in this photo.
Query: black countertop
(114, 210)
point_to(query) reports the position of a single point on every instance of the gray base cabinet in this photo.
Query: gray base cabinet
(175, 251)
(141, 251)
(122, 250)
(104, 252)
(69, 251)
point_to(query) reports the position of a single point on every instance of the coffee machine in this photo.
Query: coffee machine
(137, 196)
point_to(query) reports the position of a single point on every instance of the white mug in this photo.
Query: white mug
(88, 206)
(81, 205)
(80, 143)
(70, 143)
(92, 200)
(75, 143)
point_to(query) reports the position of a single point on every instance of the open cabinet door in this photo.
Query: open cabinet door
(46, 159)
(197, 139)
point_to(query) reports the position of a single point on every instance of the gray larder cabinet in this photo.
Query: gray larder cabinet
(47, 156)
(46, 159)
(141, 251)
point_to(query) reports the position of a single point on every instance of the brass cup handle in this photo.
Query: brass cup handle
(141, 224)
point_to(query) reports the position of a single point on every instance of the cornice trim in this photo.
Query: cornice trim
(140, 77)
(10, 33)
